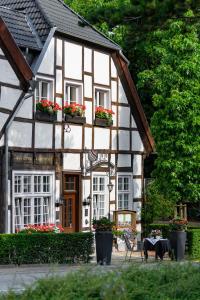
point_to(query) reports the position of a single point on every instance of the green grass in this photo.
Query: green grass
(146, 282)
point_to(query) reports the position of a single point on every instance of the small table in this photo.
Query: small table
(160, 246)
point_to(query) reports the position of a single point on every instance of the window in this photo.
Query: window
(99, 197)
(102, 98)
(124, 192)
(32, 199)
(73, 94)
(44, 90)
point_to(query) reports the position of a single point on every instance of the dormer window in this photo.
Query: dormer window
(102, 98)
(73, 93)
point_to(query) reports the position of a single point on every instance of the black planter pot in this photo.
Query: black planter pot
(75, 119)
(177, 242)
(104, 242)
(44, 116)
(103, 122)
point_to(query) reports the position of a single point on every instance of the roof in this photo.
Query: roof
(15, 56)
(46, 14)
(17, 24)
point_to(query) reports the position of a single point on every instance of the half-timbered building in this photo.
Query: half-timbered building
(65, 169)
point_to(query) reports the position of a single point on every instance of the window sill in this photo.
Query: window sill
(44, 116)
(75, 119)
(102, 122)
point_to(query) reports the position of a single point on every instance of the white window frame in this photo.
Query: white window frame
(50, 91)
(122, 192)
(33, 195)
(79, 92)
(107, 97)
(105, 193)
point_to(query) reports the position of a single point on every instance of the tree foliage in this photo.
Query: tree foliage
(175, 86)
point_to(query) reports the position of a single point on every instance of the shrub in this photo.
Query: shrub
(45, 248)
(193, 236)
(159, 282)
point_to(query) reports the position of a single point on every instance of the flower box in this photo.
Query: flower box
(45, 116)
(103, 122)
(75, 119)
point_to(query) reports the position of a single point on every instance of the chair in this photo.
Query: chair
(130, 244)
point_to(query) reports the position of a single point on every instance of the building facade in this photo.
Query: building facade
(60, 171)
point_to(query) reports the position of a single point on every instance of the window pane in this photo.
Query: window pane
(18, 184)
(95, 184)
(120, 186)
(101, 99)
(46, 184)
(37, 184)
(37, 211)
(73, 97)
(126, 183)
(18, 222)
(70, 183)
(44, 92)
(27, 211)
(126, 200)
(27, 184)
(101, 184)
(46, 202)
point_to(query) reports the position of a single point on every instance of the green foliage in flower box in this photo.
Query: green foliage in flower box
(45, 248)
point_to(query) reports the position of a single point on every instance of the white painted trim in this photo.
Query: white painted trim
(76, 84)
(25, 172)
(131, 188)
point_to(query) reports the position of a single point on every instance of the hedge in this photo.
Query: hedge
(45, 248)
(193, 236)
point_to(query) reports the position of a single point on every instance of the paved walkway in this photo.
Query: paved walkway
(17, 278)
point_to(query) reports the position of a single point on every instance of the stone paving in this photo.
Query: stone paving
(17, 278)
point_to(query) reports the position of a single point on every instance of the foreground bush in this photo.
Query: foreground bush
(45, 248)
(193, 236)
(158, 282)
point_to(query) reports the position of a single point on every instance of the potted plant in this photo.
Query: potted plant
(103, 117)
(74, 113)
(104, 240)
(178, 228)
(47, 110)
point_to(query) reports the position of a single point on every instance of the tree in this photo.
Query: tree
(174, 82)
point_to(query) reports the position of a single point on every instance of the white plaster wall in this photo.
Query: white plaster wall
(2, 141)
(122, 96)
(124, 160)
(3, 118)
(47, 65)
(71, 161)
(20, 135)
(114, 90)
(9, 97)
(124, 116)
(85, 194)
(58, 136)
(137, 144)
(88, 112)
(101, 68)
(73, 61)
(114, 139)
(88, 86)
(87, 60)
(1, 52)
(7, 74)
(88, 138)
(59, 53)
(101, 138)
(137, 188)
(114, 117)
(112, 194)
(137, 206)
(133, 124)
(43, 135)
(59, 113)
(112, 159)
(57, 190)
(113, 69)
(26, 111)
(73, 139)
(59, 80)
(124, 140)
(137, 165)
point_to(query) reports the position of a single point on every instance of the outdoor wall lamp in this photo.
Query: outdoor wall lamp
(59, 202)
(110, 187)
(87, 201)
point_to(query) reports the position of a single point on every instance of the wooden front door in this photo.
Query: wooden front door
(70, 215)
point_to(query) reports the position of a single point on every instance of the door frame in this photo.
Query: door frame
(78, 225)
